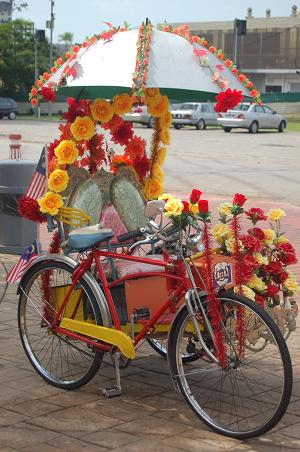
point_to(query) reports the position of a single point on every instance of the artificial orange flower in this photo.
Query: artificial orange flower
(135, 148)
(122, 103)
(158, 106)
(157, 172)
(66, 152)
(50, 203)
(33, 91)
(150, 94)
(152, 188)
(102, 110)
(58, 180)
(83, 128)
(165, 120)
(164, 135)
(34, 102)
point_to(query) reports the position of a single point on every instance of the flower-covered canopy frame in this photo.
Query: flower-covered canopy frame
(139, 66)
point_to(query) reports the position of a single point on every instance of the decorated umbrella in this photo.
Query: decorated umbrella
(144, 65)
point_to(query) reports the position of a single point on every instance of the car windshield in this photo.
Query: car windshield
(188, 107)
(242, 107)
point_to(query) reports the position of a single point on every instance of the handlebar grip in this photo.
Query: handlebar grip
(129, 235)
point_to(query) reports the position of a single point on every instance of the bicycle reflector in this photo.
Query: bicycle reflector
(73, 217)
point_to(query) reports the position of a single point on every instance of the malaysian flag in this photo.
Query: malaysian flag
(30, 253)
(37, 186)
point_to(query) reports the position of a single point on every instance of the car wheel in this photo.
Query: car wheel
(150, 123)
(281, 126)
(201, 124)
(177, 126)
(227, 129)
(254, 127)
(12, 115)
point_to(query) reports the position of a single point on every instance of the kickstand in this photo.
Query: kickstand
(115, 390)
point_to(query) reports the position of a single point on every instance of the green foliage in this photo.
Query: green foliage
(67, 38)
(17, 56)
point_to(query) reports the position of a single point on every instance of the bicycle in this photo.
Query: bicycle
(68, 320)
(3, 282)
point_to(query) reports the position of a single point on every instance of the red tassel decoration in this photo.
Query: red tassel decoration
(54, 248)
(213, 302)
(28, 208)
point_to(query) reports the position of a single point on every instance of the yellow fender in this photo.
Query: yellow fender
(108, 335)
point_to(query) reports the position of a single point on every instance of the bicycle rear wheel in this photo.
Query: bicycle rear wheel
(3, 283)
(60, 360)
(250, 396)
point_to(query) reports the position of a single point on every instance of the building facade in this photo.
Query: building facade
(5, 10)
(269, 53)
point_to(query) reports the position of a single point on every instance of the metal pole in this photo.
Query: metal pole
(235, 42)
(35, 64)
(51, 51)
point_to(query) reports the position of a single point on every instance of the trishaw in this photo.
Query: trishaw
(159, 281)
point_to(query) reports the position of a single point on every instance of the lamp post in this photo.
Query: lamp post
(39, 35)
(50, 24)
(240, 28)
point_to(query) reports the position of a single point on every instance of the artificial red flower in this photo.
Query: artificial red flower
(283, 277)
(34, 91)
(65, 132)
(203, 206)
(287, 253)
(135, 148)
(253, 93)
(212, 49)
(28, 208)
(59, 61)
(257, 232)
(239, 200)
(80, 108)
(96, 148)
(251, 243)
(118, 161)
(249, 84)
(113, 124)
(142, 166)
(122, 134)
(51, 148)
(195, 196)
(186, 208)
(242, 77)
(84, 161)
(34, 102)
(250, 260)
(274, 268)
(255, 214)
(227, 63)
(227, 100)
(260, 300)
(46, 75)
(48, 94)
(245, 272)
(272, 290)
(234, 70)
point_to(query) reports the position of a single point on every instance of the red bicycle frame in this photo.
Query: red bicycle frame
(174, 272)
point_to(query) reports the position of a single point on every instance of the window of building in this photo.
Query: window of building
(252, 43)
(271, 42)
(273, 88)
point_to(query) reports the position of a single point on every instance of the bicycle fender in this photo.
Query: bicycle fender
(87, 276)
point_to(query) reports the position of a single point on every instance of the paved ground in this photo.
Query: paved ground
(150, 416)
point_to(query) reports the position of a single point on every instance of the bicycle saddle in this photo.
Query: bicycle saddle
(89, 236)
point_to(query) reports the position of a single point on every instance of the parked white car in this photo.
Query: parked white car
(198, 114)
(139, 115)
(252, 117)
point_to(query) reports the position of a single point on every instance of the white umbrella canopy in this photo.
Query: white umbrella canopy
(181, 72)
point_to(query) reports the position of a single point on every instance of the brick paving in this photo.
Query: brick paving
(149, 416)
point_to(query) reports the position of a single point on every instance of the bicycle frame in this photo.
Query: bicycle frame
(174, 272)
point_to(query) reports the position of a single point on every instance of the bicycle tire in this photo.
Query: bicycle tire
(3, 282)
(62, 362)
(259, 407)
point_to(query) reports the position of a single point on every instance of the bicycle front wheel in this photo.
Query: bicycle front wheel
(3, 282)
(250, 395)
(62, 361)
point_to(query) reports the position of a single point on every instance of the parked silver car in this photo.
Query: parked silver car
(252, 117)
(195, 114)
(139, 115)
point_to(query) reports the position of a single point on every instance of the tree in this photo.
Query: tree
(17, 56)
(66, 38)
(19, 5)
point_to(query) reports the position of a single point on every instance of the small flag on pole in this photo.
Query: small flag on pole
(37, 186)
(30, 253)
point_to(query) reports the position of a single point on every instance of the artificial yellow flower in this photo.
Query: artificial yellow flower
(246, 291)
(225, 208)
(230, 244)
(282, 239)
(291, 283)
(157, 172)
(152, 188)
(83, 128)
(270, 236)
(58, 180)
(122, 103)
(165, 120)
(173, 207)
(164, 135)
(193, 208)
(50, 203)
(165, 196)
(220, 231)
(275, 214)
(102, 110)
(161, 155)
(256, 283)
(66, 152)
(158, 106)
(261, 260)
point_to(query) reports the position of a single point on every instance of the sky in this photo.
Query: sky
(86, 17)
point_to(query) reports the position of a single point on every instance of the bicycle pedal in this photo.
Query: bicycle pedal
(112, 391)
